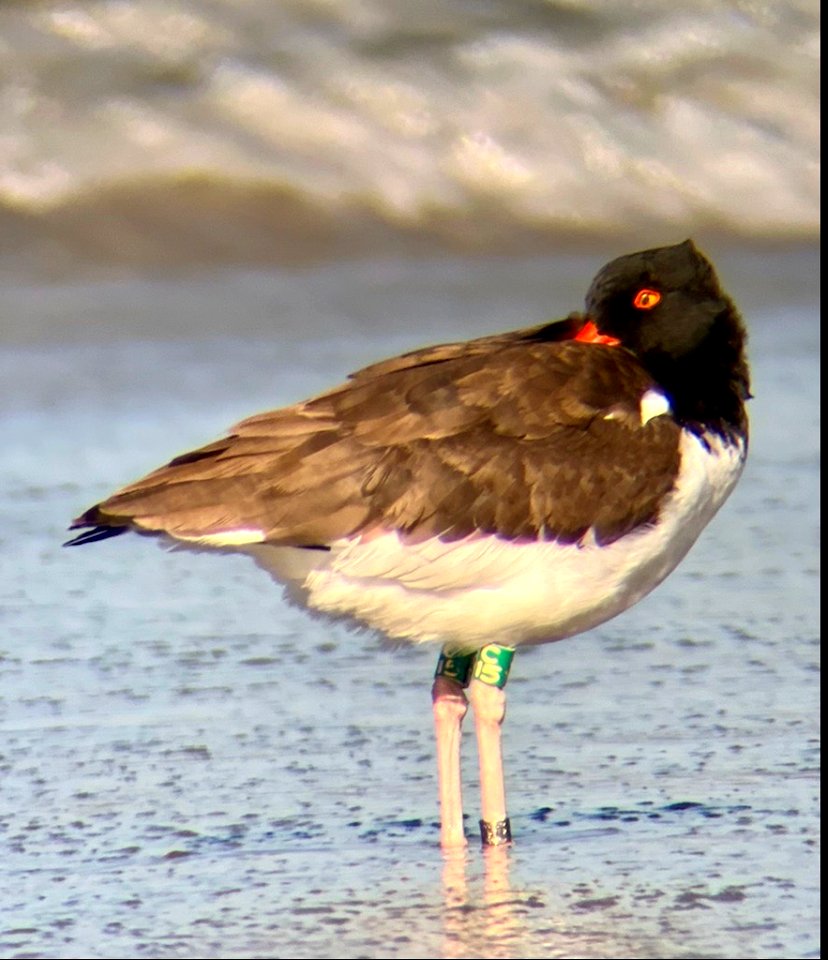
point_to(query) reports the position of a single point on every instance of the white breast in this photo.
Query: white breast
(482, 588)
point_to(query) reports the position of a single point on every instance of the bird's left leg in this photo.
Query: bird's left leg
(450, 705)
(488, 699)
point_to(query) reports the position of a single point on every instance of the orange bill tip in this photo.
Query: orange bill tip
(589, 334)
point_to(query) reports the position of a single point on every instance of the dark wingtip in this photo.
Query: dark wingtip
(96, 533)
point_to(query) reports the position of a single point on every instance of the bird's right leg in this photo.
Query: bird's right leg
(488, 699)
(450, 705)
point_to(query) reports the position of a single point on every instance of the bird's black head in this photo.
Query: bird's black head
(662, 301)
(666, 306)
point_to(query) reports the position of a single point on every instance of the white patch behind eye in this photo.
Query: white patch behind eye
(653, 404)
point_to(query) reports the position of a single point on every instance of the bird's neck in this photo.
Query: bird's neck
(708, 387)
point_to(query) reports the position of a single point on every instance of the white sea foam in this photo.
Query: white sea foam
(480, 123)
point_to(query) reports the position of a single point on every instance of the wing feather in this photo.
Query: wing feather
(525, 436)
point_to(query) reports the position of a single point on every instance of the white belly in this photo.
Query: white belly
(482, 589)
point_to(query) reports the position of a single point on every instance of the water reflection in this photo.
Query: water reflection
(479, 925)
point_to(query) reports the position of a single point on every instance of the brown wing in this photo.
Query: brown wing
(520, 435)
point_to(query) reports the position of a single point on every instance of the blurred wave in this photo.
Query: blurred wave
(156, 133)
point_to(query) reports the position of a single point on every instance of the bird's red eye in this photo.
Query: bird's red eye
(646, 299)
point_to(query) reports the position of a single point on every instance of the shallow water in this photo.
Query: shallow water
(191, 768)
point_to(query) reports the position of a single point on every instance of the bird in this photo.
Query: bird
(514, 489)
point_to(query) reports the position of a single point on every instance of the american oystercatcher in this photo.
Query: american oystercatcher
(513, 489)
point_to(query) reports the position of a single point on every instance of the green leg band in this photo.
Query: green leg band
(492, 664)
(455, 667)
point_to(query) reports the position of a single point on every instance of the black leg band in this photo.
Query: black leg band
(495, 834)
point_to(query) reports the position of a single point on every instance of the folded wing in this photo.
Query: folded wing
(523, 436)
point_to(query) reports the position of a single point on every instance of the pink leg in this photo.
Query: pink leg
(450, 706)
(489, 704)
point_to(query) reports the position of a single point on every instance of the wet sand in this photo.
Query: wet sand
(191, 768)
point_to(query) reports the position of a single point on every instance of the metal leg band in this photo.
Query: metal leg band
(495, 834)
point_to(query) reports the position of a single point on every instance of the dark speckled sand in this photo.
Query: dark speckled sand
(190, 768)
